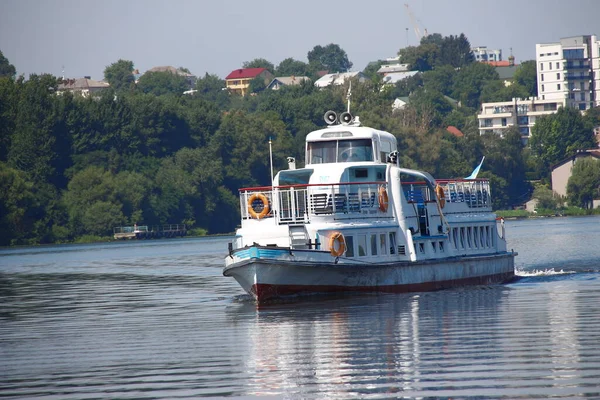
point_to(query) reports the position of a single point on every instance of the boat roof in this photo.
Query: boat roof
(348, 132)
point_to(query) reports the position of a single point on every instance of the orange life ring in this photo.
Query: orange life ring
(439, 191)
(383, 199)
(339, 238)
(253, 213)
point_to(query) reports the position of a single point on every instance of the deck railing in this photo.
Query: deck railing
(299, 203)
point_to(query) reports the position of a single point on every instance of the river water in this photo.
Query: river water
(157, 320)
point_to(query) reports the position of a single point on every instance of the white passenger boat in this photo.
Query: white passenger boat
(353, 220)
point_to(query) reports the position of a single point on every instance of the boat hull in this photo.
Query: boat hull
(267, 278)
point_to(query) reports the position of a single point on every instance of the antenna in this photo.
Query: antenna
(349, 95)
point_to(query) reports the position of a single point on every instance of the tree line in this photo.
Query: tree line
(74, 167)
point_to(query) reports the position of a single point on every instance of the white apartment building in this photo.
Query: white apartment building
(523, 113)
(482, 53)
(570, 70)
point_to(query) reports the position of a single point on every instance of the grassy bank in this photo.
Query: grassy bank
(541, 212)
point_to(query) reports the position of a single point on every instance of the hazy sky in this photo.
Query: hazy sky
(217, 36)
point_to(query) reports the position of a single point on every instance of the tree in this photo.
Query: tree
(289, 67)
(526, 76)
(259, 63)
(455, 51)
(496, 90)
(120, 75)
(440, 79)
(6, 68)
(584, 184)
(162, 82)
(546, 198)
(331, 58)
(555, 136)
(421, 58)
(469, 83)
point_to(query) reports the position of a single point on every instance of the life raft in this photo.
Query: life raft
(265, 209)
(439, 192)
(383, 199)
(338, 238)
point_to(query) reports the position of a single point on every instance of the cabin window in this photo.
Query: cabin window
(482, 236)
(441, 247)
(362, 245)
(476, 237)
(349, 246)
(373, 245)
(421, 247)
(433, 247)
(355, 150)
(382, 244)
(392, 242)
(462, 238)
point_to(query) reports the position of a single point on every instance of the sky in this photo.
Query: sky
(82, 37)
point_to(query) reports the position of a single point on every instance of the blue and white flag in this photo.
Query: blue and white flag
(476, 170)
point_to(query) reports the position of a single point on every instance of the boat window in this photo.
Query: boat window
(392, 242)
(469, 236)
(482, 237)
(295, 177)
(476, 237)
(382, 244)
(350, 150)
(355, 150)
(441, 247)
(462, 238)
(349, 246)
(373, 245)
(362, 245)
(455, 237)
(433, 247)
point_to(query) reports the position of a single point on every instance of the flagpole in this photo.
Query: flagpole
(271, 157)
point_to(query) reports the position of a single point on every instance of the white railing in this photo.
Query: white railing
(475, 193)
(298, 204)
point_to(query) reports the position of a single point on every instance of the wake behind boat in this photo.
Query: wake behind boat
(354, 220)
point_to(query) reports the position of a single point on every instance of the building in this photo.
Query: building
(523, 113)
(280, 81)
(83, 86)
(238, 81)
(570, 70)
(482, 53)
(339, 79)
(394, 77)
(392, 65)
(190, 79)
(562, 171)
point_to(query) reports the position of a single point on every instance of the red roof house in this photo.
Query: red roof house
(238, 80)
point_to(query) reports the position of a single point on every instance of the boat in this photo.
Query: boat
(354, 220)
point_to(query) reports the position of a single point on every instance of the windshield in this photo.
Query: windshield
(340, 151)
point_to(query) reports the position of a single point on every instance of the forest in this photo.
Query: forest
(72, 168)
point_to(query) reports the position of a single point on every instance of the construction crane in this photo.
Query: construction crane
(414, 23)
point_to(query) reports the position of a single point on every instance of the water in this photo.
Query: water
(156, 319)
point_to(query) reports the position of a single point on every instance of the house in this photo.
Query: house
(400, 103)
(340, 78)
(562, 171)
(189, 78)
(280, 81)
(83, 86)
(392, 78)
(238, 81)
(392, 65)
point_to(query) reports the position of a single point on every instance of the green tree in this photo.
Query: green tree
(331, 58)
(555, 136)
(421, 58)
(6, 68)
(584, 184)
(259, 63)
(496, 90)
(17, 203)
(120, 75)
(440, 79)
(160, 83)
(470, 81)
(455, 51)
(289, 67)
(526, 76)
(546, 198)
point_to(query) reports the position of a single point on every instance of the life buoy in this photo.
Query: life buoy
(439, 191)
(265, 210)
(338, 238)
(383, 199)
